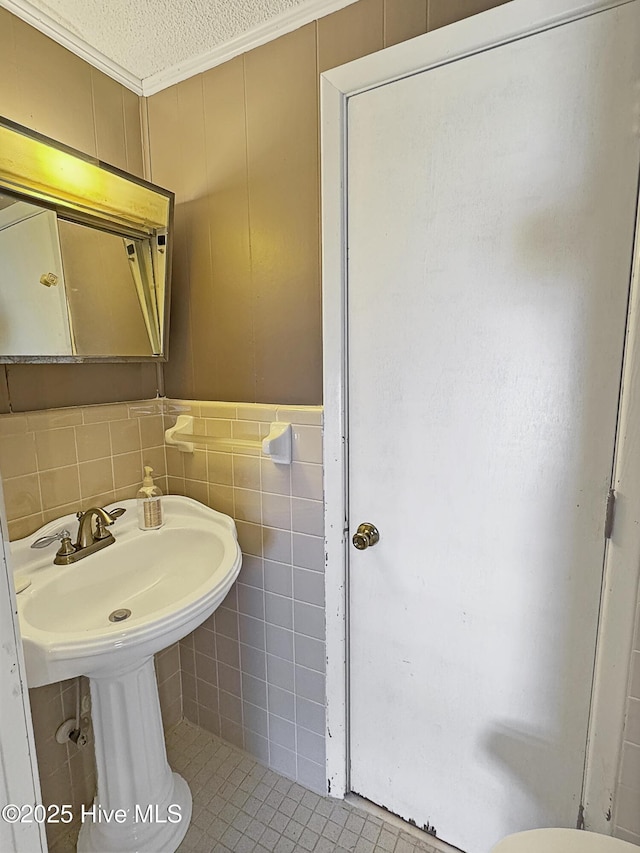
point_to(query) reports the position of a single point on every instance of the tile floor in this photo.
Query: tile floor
(239, 806)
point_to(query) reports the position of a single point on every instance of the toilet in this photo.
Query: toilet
(562, 841)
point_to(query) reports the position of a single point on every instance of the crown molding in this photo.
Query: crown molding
(58, 32)
(282, 24)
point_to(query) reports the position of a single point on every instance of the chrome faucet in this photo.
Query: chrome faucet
(88, 540)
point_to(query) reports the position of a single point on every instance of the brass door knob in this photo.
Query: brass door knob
(365, 536)
(48, 279)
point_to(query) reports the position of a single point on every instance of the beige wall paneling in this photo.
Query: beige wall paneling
(165, 134)
(403, 21)
(9, 95)
(193, 211)
(443, 12)
(131, 105)
(55, 89)
(354, 31)
(50, 386)
(193, 169)
(179, 369)
(47, 88)
(225, 318)
(4, 391)
(282, 144)
(109, 119)
(246, 322)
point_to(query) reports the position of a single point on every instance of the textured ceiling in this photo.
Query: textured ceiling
(150, 36)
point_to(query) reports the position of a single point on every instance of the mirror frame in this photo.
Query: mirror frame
(83, 189)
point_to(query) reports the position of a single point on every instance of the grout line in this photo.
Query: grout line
(218, 688)
(38, 477)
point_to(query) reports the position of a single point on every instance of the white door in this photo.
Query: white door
(490, 223)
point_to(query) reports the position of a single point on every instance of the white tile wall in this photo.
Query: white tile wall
(254, 673)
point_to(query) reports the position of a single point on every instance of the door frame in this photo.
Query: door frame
(488, 30)
(19, 781)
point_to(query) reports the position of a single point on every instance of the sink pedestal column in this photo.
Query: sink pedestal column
(141, 806)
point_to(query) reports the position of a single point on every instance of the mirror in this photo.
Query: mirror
(85, 256)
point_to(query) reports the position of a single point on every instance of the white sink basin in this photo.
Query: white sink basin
(171, 579)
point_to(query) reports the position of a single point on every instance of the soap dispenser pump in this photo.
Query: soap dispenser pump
(149, 499)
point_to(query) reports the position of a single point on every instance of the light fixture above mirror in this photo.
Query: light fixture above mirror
(85, 256)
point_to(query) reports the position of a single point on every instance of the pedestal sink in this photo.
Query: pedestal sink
(171, 580)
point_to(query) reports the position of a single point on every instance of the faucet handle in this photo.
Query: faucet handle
(116, 513)
(45, 541)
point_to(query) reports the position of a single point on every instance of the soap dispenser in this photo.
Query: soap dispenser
(149, 499)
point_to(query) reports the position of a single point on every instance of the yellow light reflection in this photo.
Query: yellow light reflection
(31, 166)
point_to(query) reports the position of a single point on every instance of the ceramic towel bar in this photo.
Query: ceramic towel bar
(276, 445)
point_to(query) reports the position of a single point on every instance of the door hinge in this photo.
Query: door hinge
(580, 821)
(609, 515)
